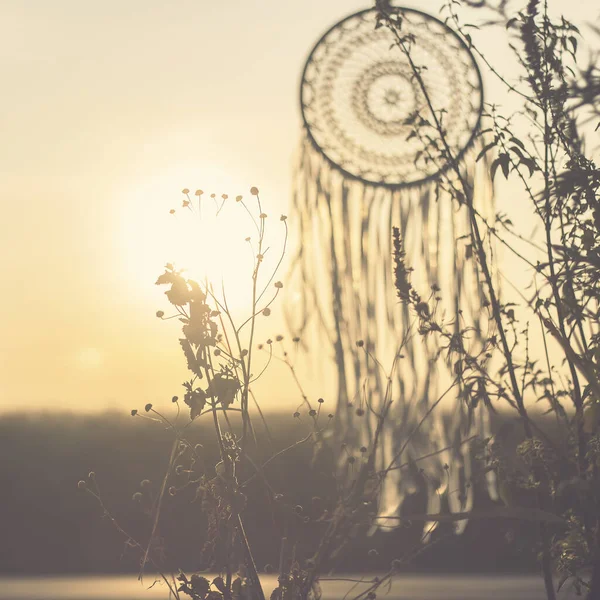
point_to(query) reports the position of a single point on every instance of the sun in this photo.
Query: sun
(212, 236)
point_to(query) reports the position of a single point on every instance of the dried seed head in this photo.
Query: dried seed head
(160, 314)
(283, 218)
(254, 191)
(172, 490)
(360, 344)
(298, 509)
(134, 412)
(144, 483)
(217, 352)
(320, 400)
(174, 399)
(372, 553)
(172, 211)
(148, 407)
(198, 193)
(363, 449)
(92, 475)
(312, 412)
(278, 285)
(185, 191)
(278, 338)
(296, 414)
(360, 412)
(81, 484)
(266, 311)
(238, 198)
(137, 497)
(351, 460)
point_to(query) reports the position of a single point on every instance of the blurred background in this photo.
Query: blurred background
(108, 110)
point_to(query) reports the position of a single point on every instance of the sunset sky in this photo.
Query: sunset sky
(108, 110)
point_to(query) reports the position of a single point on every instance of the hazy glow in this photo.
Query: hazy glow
(89, 358)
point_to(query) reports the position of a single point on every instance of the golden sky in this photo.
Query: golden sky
(108, 109)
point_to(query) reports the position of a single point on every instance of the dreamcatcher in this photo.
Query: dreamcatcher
(361, 170)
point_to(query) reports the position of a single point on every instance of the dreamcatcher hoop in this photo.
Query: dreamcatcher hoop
(351, 70)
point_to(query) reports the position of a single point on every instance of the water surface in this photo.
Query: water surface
(404, 587)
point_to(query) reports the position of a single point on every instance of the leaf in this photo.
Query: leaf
(505, 163)
(485, 150)
(192, 363)
(196, 400)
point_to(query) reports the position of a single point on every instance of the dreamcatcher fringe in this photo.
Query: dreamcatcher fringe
(343, 270)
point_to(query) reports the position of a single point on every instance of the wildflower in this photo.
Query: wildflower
(279, 338)
(360, 412)
(320, 400)
(312, 412)
(283, 218)
(148, 407)
(224, 196)
(81, 484)
(172, 490)
(351, 460)
(269, 341)
(296, 340)
(198, 193)
(238, 198)
(263, 215)
(372, 552)
(254, 191)
(298, 509)
(244, 352)
(296, 414)
(172, 211)
(160, 314)
(91, 475)
(266, 311)
(134, 412)
(278, 285)
(363, 449)
(144, 483)
(217, 352)
(185, 191)
(137, 497)
(360, 344)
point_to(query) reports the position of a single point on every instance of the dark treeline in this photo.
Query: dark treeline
(48, 525)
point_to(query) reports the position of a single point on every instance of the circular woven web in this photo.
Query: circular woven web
(357, 94)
